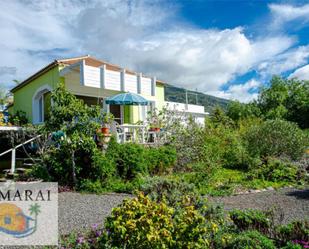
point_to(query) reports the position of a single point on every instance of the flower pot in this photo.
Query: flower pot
(157, 129)
(105, 130)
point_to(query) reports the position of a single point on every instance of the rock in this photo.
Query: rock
(270, 188)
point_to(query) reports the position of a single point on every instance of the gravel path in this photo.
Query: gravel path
(292, 204)
(79, 211)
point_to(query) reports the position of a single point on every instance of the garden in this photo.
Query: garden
(259, 145)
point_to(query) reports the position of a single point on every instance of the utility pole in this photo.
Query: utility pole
(186, 99)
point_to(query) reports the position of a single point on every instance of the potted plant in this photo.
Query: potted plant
(155, 120)
(107, 120)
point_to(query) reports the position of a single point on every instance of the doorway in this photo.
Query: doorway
(117, 111)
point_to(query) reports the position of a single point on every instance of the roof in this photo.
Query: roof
(89, 60)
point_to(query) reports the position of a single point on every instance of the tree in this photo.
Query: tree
(286, 99)
(3, 98)
(272, 99)
(219, 117)
(297, 103)
(72, 125)
(238, 111)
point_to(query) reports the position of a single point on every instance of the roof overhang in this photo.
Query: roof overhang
(50, 66)
(71, 63)
(34, 76)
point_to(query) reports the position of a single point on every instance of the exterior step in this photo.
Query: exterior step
(27, 164)
(18, 170)
(28, 159)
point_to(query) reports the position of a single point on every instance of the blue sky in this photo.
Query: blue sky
(224, 48)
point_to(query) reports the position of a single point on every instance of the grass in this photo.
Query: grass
(224, 181)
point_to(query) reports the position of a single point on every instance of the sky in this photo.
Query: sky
(226, 48)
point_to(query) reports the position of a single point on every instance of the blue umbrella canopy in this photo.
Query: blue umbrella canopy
(126, 99)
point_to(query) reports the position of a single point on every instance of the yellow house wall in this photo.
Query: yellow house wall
(159, 99)
(23, 96)
(131, 113)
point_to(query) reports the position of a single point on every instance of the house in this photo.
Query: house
(93, 81)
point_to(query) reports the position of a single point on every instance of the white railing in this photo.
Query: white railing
(13, 150)
(117, 80)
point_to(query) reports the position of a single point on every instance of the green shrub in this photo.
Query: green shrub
(119, 185)
(188, 142)
(19, 118)
(102, 168)
(250, 240)
(223, 146)
(129, 159)
(235, 155)
(92, 186)
(251, 220)
(160, 159)
(274, 169)
(132, 159)
(276, 138)
(170, 190)
(39, 171)
(291, 245)
(297, 230)
(142, 223)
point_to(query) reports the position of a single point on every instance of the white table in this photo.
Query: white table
(127, 128)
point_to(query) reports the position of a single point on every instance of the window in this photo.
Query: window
(41, 110)
(41, 103)
(146, 109)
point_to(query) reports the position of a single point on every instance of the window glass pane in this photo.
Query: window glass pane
(41, 109)
(143, 112)
(47, 105)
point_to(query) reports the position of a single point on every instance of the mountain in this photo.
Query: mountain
(176, 94)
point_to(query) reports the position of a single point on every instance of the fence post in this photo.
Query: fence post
(13, 161)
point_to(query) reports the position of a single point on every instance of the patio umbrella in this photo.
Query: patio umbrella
(126, 99)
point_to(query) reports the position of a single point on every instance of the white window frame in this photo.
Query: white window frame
(38, 103)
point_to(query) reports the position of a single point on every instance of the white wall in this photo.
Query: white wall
(146, 86)
(112, 80)
(196, 111)
(92, 78)
(131, 83)
(181, 107)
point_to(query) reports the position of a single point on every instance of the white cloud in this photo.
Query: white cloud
(286, 13)
(301, 73)
(289, 60)
(202, 59)
(141, 35)
(242, 92)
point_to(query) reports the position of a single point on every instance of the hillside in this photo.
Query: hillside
(177, 94)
